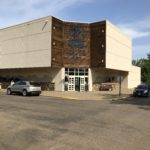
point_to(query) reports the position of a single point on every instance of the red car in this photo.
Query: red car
(105, 87)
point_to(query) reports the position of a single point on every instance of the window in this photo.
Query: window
(66, 71)
(34, 84)
(22, 83)
(86, 72)
(17, 83)
(76, 71)
(71, 71)
(81, 72)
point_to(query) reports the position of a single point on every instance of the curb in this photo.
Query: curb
(118, 98)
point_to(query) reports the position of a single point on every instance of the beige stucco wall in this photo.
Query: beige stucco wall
(26, 45)
(90, 79)
(102, 75)
(134, 77)
(119, 56)
(118, 49)
(59, 80)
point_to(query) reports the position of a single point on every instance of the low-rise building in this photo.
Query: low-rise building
(71, 55)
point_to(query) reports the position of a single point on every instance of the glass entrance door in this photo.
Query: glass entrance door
(82, 83)
(78, 79)
(71, 85)
(77, 83)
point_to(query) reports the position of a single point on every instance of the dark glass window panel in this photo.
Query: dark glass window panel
(81, 70)
(34, 84)
(81, 73)
(86, 71)
(71, 73)
(86, 79)
(22, 83)
(71, 69)
(76, 72)
(66, 69)
(66, 72)
(17, 83)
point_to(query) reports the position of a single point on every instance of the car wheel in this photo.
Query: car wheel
(37, 94)
(8, 92)
(133, 95)
(24, 93)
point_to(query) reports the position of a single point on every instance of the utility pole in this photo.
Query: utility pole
(120, 83)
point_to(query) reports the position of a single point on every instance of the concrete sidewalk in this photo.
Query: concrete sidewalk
(94, 95)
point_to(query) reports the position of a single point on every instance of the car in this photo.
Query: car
(25, 88)
(142, 90)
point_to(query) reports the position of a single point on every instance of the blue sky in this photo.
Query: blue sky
(131, 16)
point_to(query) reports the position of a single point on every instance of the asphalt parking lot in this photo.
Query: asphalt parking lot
(47, 123)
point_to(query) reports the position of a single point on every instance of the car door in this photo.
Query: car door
(15, 87)
(21, 86)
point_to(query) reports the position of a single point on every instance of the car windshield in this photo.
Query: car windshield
(34, 84)
(142, 87)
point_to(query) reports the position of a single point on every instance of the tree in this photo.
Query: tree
(145, 68)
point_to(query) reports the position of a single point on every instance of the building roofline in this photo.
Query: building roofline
(42, 18)
(48, 17)
(84, 22)
(26, 22)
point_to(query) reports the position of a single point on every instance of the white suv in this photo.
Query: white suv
(25, 88)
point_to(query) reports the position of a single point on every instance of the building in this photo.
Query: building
(69, 55)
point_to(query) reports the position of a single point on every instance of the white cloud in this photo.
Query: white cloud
(133, 33)
(137, 29)
(15, 11)
(143, 23)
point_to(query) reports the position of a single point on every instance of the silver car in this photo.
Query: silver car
(25, 88)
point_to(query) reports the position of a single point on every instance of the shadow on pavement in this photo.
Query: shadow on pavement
(141, 102)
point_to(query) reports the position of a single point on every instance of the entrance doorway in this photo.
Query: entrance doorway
(77, 79)
(81, 84)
